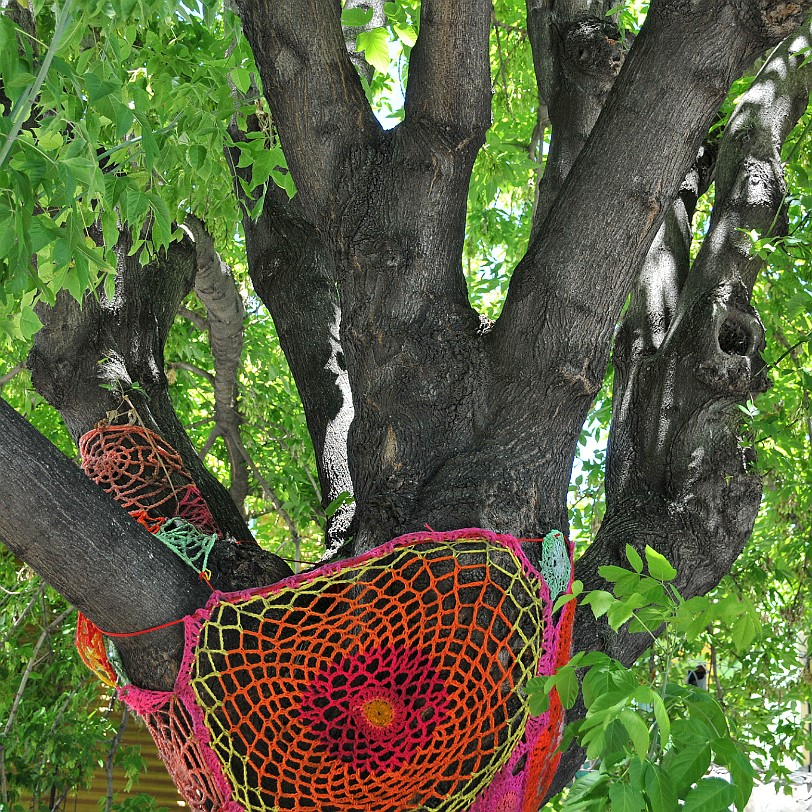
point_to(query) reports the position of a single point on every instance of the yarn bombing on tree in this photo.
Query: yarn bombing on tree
(390, 682)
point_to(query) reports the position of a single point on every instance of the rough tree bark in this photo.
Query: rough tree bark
(458, 423)
(295, 278)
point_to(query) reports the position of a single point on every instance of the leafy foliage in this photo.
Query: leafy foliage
(650, 739)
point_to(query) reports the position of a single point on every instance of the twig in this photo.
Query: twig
(22, 617)
(501, 63)
(210, 440)
(110, 758)
(202, 373)
(268, 491)
(15, 705)
(23, 106)
(12, 373)
(199, 321)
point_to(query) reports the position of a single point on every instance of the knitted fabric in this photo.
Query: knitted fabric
(148, 479)
(522, 784)
(90, 644)
(144, 474)
(556, 563)
(187, 543)
(390, 682)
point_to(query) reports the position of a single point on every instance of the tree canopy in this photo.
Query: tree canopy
(365, 265)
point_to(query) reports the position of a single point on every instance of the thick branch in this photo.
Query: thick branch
(677, 72)
(549, 350)
(577, 53)
(96, 360)
(689, 348)
(73, 535)
(325, 123)
(449, 88)
(294, 276)
(749, 176)
(393, 222)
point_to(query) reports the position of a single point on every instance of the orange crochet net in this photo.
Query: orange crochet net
(392, 682)
(180, 749)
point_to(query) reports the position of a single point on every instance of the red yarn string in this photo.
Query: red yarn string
(145, 631)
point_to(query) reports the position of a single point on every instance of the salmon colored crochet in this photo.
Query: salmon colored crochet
(144, 474)
(391, 682)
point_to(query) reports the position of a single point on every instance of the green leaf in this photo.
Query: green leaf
(98, 88)
(634, 558)
(659, 566)
(566, 682)
(686, 765)
(612, 573)
(745, 631)
(626, 799)
(637, 730)
(709, 795)
(356, 17)
(659, 789)
(242, 79)
(621, 611)
(727, 753)
(588, 786)
(615, 741)
(662, 718)
(563, 599)
(29, 322)
(600, 600)
(406, 34)
(374, 45)
(705, 708)
(538, 703)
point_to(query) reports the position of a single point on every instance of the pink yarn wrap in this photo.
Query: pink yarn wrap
(177, 722)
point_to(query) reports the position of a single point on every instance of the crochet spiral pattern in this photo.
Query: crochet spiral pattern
(391, 682)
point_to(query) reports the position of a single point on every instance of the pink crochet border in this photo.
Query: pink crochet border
(144, 701)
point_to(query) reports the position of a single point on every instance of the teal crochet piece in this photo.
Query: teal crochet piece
(188, 543)
(555, 563)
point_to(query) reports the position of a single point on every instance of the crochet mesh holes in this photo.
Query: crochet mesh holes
(389, 685)
(144, 474)
(180, 750)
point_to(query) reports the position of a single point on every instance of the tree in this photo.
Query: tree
(426, 411)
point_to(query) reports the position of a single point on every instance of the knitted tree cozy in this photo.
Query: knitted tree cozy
(389, 682)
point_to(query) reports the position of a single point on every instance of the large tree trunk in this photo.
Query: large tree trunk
(455, 422)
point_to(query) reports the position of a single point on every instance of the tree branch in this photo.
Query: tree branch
(216, 288)
(196, 319)
(638, 159)
(403, 295)
(109, 759)
(577, 53)
(548, 352)
(94, 360)
(93, 553)
(325, 123)
(11, 374)
(687, 351)
(449, 88)
(294, 276)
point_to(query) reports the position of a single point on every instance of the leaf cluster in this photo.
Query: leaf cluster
(651, 741)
